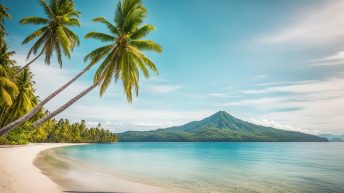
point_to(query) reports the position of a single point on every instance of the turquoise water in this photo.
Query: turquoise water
(222, 167)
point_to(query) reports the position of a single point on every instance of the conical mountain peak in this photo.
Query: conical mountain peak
(220, 119)
(222, 114)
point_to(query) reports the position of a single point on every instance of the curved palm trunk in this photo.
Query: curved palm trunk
(30, 114)
(28, 64)
(63, 107)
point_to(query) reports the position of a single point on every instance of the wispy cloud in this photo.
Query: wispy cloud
(196, 96)
(323, 24)
(335, 59)
(224, 94)
(257, 103)
(164, 88)
(274, 124)
(311, 105)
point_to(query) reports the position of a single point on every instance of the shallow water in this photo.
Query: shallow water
(219, 167)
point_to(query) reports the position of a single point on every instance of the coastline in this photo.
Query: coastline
(19, 175)
(76, 176)
(35, 168)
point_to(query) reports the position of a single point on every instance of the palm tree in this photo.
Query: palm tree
(123, 57)
(5, 56)
(54, 36)
(3, 15)
(25, 100)
(8, 89)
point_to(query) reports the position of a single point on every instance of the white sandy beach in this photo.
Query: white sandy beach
(19, 175)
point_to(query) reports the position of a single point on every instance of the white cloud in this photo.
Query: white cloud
(313, 86)
(335, 59)
(218, 94)
(258, 103)
(195, 96)
(252, 91)
(274, 124)
(323, 24)
(164, 88)
(223, 95)
(317, 106)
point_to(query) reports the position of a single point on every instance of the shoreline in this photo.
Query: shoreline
(76, 176)
(35, 168)
(19, 175)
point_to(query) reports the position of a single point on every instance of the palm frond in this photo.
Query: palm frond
(58, 53)
(37, 45)
(73, 37)
(147, 61)
(5, 82)
(64, 41)
(111, 27)
(100, 36)
(6, 97)
(33, 20)
(72, 22)
(48, 50)
(108, 75)
(98, 53)
(35, 34)
(100, 71)
(141, 64)
(146, 45)
(46, 8)
(142, 32)
(72, 13)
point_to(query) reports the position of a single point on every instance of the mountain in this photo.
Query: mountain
(333, 138)
(220, 127)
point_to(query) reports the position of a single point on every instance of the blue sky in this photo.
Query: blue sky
(277, 63)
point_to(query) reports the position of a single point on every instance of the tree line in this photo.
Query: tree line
(58, 131)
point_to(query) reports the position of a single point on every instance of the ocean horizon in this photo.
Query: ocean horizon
(208, 166)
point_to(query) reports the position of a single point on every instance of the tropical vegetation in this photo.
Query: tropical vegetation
(58, 131)
(19, 103)
(60, 15)
(121, 59)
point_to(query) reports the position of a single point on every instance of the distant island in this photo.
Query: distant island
(333, 138)
(219, 127)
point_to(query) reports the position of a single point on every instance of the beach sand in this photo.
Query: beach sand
(19, 175)
(25, 169)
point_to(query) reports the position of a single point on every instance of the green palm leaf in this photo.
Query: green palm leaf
(100, 36)
(146, 45)
(34, 20)
(111, 27)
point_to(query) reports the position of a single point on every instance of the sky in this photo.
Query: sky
(276, 63)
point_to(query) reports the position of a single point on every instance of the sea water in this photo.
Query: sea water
(221, 167)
